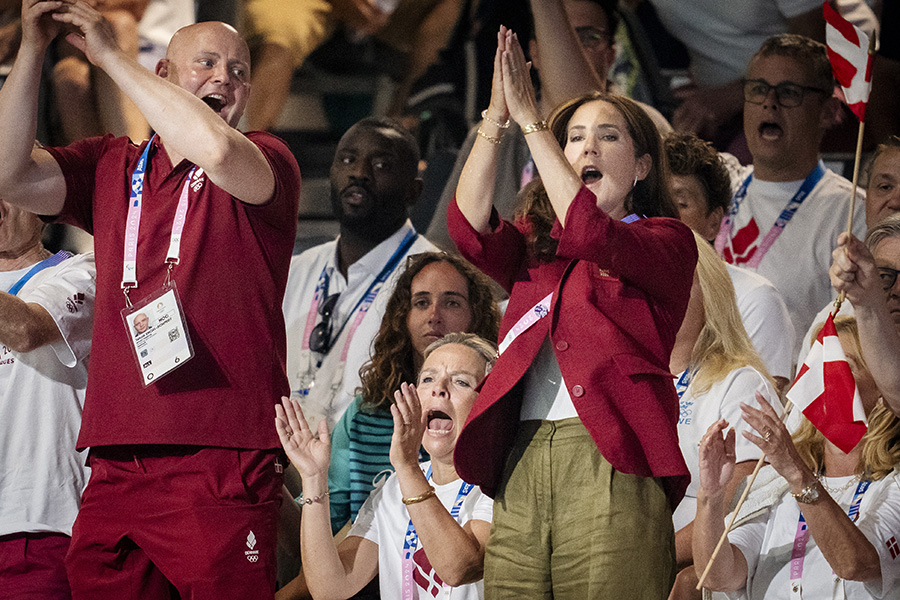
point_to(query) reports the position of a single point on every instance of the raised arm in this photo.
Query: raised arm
(327, 573)
(849, 553)
(854, 272)
(29, 177)
(456, 552)
(475, 191)
(557, 175)
(210, 60)
(565, 71)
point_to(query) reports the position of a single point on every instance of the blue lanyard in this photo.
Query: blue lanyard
(411, 539)
(684, 381)
(374, 287)
(44, 264)
(783, 218)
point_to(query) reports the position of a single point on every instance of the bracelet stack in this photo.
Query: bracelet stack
(417, 499)
(502, 126)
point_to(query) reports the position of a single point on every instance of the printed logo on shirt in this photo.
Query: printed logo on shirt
(5, 358)
(893, 547)
(424, 576)
(251, 554)
(73, 302)
(198, 180)
(743, 244)
(686, 410)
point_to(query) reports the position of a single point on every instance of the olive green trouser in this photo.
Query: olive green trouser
(568, 525)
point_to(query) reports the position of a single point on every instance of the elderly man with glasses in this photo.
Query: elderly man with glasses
(867, 274)
(787, 209)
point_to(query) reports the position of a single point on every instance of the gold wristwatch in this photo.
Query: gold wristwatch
(809, 494)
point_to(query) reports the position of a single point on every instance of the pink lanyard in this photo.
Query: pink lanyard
(133, 223)
(801, 538)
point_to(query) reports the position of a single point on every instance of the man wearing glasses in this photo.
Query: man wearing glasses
(337, 291)
(788, 209)
(867, 274)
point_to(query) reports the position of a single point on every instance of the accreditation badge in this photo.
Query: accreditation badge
(158, 333)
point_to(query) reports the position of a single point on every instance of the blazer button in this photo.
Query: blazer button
(562, 345)
(577, 391)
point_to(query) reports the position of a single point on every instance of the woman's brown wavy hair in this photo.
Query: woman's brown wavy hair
(392, 360)
(649, 198)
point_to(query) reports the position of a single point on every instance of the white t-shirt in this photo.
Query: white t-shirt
(383, 519)
(766, 542)
(766, 319)
(41, 400)
(697, 413)
(335, 382)
(797, 263)
(161, 19)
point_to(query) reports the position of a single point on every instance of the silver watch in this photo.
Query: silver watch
(809, 494)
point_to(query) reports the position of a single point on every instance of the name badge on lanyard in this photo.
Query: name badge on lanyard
(156, 325)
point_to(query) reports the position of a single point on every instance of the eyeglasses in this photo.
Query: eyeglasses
(593, 38)
(320, 337)
(788, 94)
(888, 277)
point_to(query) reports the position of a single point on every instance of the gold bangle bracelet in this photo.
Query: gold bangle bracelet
(494, 140)
(534, 127)
(417, 499)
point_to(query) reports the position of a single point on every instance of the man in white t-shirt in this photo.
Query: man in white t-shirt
(882, 201)
(46, 314)
(336, 292)
(788, 209)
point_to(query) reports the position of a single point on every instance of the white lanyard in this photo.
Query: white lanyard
(133, 222)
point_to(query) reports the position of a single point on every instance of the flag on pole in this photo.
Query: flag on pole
(825, 391)
(848, 51)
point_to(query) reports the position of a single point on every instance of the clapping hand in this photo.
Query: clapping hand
(409, 427)
(717, 458)
(310, 453)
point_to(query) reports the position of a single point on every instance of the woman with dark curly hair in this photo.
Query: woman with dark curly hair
(437, 294)
(574, 431)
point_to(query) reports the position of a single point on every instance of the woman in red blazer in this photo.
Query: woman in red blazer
(574, 432)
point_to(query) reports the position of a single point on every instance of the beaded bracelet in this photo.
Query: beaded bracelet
(485, 116)
(417, 499)
(490, 138)
(534, 127)
(301, 500)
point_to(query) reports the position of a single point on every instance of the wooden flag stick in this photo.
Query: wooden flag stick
(737, 509)
(856, 161)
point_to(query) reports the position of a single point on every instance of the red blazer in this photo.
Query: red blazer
(620, 292)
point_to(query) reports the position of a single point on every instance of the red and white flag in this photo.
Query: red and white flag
(848, 51)
(826, 392)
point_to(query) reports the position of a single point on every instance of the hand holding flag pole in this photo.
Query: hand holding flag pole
(850, 52)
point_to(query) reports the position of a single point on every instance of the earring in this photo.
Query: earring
(633, 185)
